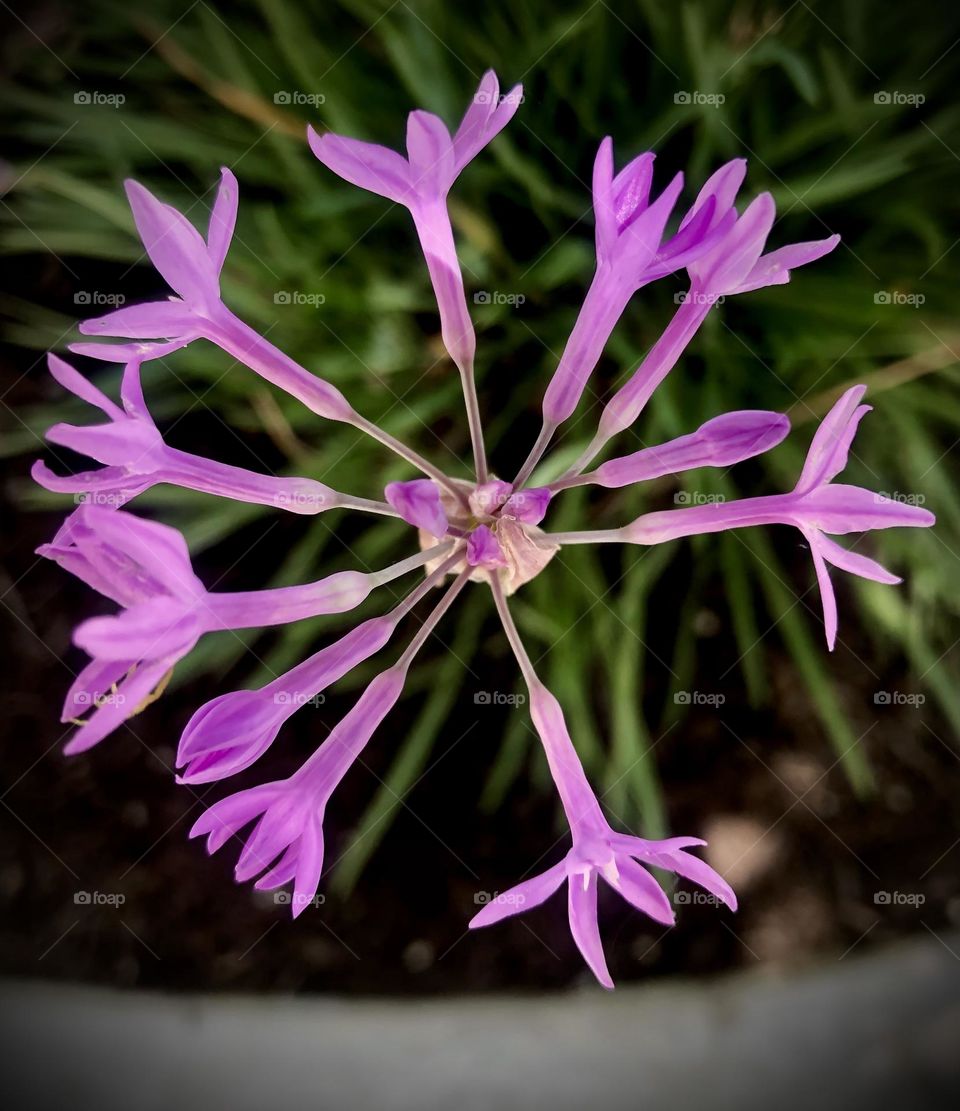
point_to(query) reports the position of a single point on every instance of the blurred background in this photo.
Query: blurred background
(696, 680)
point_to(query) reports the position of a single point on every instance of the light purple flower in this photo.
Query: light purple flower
(815, 506)
(145, 568)
(597, 850)
(483, 529)
(136, 458)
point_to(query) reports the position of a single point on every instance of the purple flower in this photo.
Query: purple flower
(145, 568)
(483, 530)
(815, 506)
(597, 850)
(136, 458)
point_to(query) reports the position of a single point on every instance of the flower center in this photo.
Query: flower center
(499, 532)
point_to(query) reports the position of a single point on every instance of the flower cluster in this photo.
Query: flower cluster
(483, 530)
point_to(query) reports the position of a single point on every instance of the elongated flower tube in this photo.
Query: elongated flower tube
(720, 442)
(287, 844)
(145, 567)
(597, 851)
(421, 181)
(136, 458)
(631, 252)
(231, 732)
(815, 506)
(733, 263)
(484, 530)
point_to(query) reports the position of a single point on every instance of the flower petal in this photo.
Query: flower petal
(367, 165)
(582, 907)
(522, 897)
(175, 247)
(641, 890)
(151, 320)
(831, 442)
(223, 218)
(72, 380)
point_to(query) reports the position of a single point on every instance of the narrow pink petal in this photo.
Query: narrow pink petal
(604, 212)
(223, 218)
(827, 597)
(582, 903)
(641, 890)
(131, 393)
(175, 247)
(430, 154)
(72, 380)
(522, 897)
(367, 165)
(723, 186)
(774, 268)
(831, 442)
(117, 708)
(839, 509)
(855, 563)
(309, 864)
(92, 685)
(228, 816)
(126, 443)
(699, 872)
(148, 630)
(124, 352)
(151, 320)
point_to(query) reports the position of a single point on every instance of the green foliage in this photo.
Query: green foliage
(797, 83)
